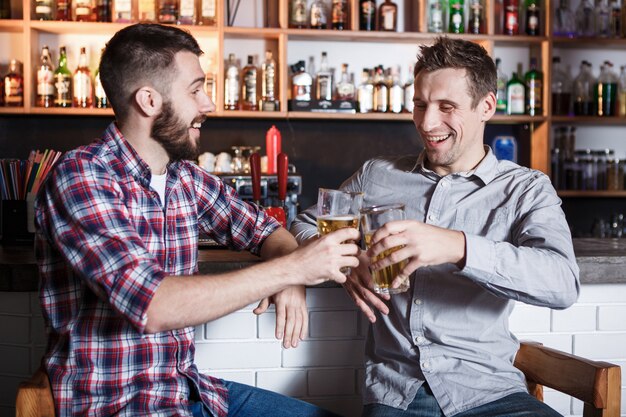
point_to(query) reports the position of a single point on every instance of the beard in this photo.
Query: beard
(172, 133)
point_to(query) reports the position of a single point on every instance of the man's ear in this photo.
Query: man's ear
(149, 101)
(487, 107)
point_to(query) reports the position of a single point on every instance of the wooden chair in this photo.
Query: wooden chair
(597, 384)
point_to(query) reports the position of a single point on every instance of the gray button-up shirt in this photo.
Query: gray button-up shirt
(451, 328)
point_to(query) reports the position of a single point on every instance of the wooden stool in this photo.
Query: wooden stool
(34, 397)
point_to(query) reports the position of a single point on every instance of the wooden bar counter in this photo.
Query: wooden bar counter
(601, 261)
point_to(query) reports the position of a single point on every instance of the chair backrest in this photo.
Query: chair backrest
(596, 383)
(34, 397)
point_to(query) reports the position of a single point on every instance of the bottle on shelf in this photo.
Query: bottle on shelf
(103, 11)
(44, 9)
(301, 83)
(207, 12)
(381, 91)
(122, 11)
(167, 11)
(249, 92)
(501, 83)
(605, 93)
(511, 17)
(339, 15)
(436, 12)
(210, 80)
(146, 11)
(388, 16)
(186, 12)
(602, 18)
(45, 80)
(62, 81)
(457, 16)
(476, 22)
(409, 91)
(396, 91)
(621, 93)
(100, 97)
(14, 85)
(83, 10)
(269, 102)
(498, 17)
(83, 88)
(533, 18)
(345, 86)
(365, 93)
(297, 14)
(534, 86)
(584, 84)
(231, 84)
(64, 12)
(515, 96)
(585, 24)
(561, 89)
(367, 15)
(615, 20)
(318, 15)
(564, 22)
(324, 80)
(5, 12)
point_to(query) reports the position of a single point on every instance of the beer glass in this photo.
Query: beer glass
(372, 218)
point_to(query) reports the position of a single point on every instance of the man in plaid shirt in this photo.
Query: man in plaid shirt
(118, 223)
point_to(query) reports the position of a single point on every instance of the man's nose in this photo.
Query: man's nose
(207, 105)
(430, 119)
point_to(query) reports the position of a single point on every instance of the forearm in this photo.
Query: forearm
(279, 243)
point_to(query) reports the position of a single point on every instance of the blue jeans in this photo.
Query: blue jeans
(519, 404)
(247, 401)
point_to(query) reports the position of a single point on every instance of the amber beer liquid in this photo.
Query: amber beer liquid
(327, 224)
(383, 278)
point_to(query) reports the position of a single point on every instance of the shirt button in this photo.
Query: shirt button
(444, 184)
(420, 340)
(432, 217)
(181, 397)
(426, 365)
(417, 301)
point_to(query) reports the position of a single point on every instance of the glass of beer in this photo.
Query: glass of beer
(337, 209)
(372, 218)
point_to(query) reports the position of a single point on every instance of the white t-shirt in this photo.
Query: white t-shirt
(158, 183)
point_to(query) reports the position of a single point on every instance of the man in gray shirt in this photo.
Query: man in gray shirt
(480, 234)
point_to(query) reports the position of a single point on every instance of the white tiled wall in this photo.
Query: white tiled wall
(326, 368)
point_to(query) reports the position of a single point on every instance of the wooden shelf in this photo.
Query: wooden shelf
(589, 43)
(591, 194)
(590, 120)
(12, 25)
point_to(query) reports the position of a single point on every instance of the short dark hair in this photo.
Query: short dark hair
(460, 54)
(139, 54)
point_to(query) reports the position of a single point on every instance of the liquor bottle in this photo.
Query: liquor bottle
(339, 14)
(62, 82)
(345, 87)
(301, 83)
(605, 93)
(146, 11)
(501, 83)
(498, 17)
(100, 97)
(167, 11)
(186, 12)
(206, 12)
(457, 17)
(367, 15)
(585, 25)
(268, 84)
(396, 91)
(511, 17)
(83, 89)
(14, 85)
(318, 15)
(381, 91)
(324, 80)
(210, 81)
(534, 86)
(44, 9)
(615, 20)
(435, 16)
(103, 10)
(45, 80)
(122, 11)
(476, 23)
(64, 12)
(515, 96)
(409, 91)
(564, 22)
(602, 17)
(561, 88)
(532, 27)
(297, 14)
(365, 93)
(5, 13)
(231, 84)
(249, 75)
(82, 10)
(584, 84)
(388, 16)
(621, 93)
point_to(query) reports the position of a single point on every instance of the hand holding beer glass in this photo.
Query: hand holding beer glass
(337, 209)
(372, 218)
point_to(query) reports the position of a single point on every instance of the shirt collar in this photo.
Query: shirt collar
(485, 170)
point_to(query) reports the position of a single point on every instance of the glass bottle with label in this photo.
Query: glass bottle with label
(388, 16)
(602, 17)
(44, 9)
(605, 93)
(515, 96)
(396, 91)
(167, 11)
(534, 85)
(146, 11)
(249, 75)
(14, 85)
(476, 23)
(367, 15)
(186, 12)
(83, 10)
(457, 16)
(206, 12)
(511, 17)
(365, 93)
(533, 18)
(62, 81)
(268, 83)
(615, 23)
(301, 83)
(100, 97)
(103, 11)
(561, 88)
(381, 91)
(122, 11)
(45, 79)
(584, 84)
(621, 93)
(436, 16)
(409, 91)
(210, 80)
(318, 15)
(324, 80)
(501, 83)
(585, 25)
(345, 87)
(231, 84)
(297, 14)
(63, 12)
(339, 15)
(564, 22)
(83, 88)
